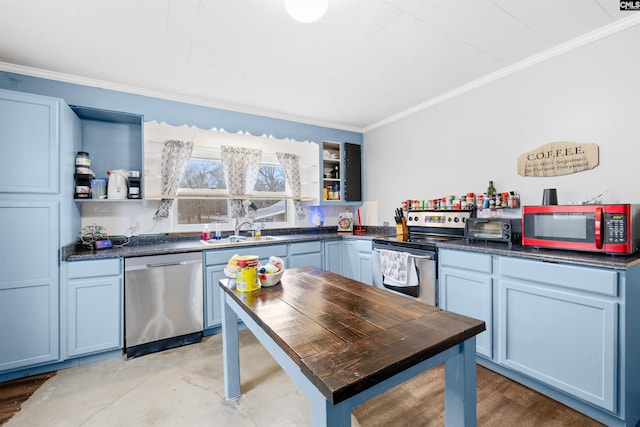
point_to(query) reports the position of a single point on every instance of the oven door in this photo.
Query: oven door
(424, 264)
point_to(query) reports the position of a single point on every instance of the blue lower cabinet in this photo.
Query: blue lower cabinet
(333, 256)
(94, 306)
(305, 254)
(357, 259)
(214, 262)
(564, 337)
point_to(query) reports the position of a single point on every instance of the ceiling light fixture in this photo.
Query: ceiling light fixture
(306, 10)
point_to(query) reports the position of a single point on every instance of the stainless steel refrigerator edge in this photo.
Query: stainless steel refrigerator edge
(163, 302)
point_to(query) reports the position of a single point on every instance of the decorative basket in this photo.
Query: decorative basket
(268, 280)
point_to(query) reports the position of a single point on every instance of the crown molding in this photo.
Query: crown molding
(170, 96)
(576, 43)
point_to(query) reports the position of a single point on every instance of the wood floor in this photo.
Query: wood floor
(501, 402)
(13, 393)
(419, 402)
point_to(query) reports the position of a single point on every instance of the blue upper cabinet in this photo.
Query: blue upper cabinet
(29, 140)
(112, 139)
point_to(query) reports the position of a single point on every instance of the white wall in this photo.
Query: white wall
(590, 94)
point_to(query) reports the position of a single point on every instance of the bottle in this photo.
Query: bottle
(205, 233)
(491, 190)
(218, 236)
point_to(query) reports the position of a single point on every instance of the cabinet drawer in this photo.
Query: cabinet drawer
(94, 268)
(588, 279)
(222, 256)
(305, 247)
(363, 245)
(466, 260)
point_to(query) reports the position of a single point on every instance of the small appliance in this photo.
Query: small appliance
(117, 188)
(494, 229)
(612, 229)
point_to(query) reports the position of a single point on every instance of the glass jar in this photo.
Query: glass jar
(83, 159)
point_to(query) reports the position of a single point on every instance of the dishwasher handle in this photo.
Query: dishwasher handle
(168, 264)
(145, 266)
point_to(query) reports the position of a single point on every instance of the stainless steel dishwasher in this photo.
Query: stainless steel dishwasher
(163, 302)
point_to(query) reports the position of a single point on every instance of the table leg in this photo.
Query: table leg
(460, 386)
(230, 350)
(325, 414)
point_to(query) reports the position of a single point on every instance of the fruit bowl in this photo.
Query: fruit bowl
(231, 274)
(268, 280)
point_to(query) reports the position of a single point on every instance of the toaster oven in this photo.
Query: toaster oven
(493, 229)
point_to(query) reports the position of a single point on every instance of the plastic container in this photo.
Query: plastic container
(206, 235)
(218, 234)
(99, 188)
(247, 277)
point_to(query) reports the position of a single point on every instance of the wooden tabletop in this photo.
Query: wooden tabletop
(347, 336)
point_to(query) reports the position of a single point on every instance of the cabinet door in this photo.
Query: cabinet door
(29, 326)
(94, 315)
(470, 294)
(29, 143)
(366, 267)
(213, 311)
(566, 340)
(333, 256)
(350, 261)
(356, 260)
(352, 172)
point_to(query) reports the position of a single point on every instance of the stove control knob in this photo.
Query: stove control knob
(456, 219)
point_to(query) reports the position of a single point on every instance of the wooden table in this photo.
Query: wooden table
(344, 342)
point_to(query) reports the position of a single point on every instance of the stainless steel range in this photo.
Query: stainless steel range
(407, 264)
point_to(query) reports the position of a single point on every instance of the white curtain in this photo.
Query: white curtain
(291, 165)
(175, 157)
(240, 167)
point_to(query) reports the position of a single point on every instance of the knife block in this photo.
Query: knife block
(402, 228)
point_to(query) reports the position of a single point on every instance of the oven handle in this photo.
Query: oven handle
(412, 255)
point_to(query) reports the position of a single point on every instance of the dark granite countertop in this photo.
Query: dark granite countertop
(592, 259)
(179, 243)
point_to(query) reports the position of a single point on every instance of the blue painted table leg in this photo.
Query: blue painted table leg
(460, 386)
(324, 414)
(230, 350)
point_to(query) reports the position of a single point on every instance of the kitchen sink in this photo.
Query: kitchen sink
(239, 239)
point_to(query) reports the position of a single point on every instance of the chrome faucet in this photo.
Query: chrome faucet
(239, 226)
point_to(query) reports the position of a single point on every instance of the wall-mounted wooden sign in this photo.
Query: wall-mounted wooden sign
(558, 158)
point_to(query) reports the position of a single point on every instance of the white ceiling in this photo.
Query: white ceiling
(363, 62)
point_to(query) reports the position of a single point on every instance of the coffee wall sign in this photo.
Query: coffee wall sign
(558, 158)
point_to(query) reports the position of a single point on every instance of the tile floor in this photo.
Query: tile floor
(178, 387)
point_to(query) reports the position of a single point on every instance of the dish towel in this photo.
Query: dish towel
(398, 268)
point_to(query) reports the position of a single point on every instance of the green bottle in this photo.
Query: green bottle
(491, 190)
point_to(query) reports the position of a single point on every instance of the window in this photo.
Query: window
(204, 177)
